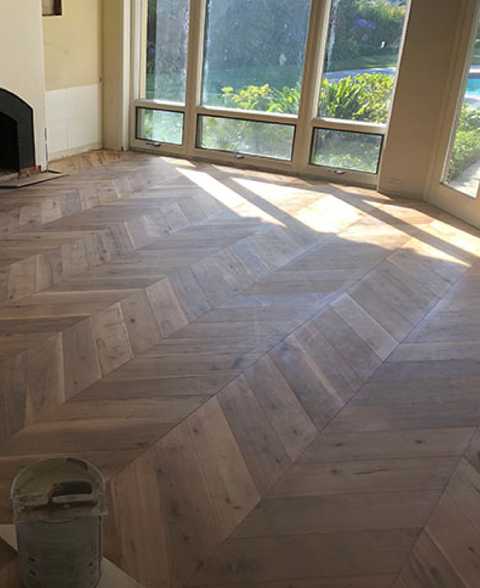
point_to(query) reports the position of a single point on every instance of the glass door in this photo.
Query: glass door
(303, 86)
(462, 171)
(456, 176)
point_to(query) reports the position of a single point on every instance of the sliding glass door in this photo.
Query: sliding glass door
(296, 85)
(456, 175)
(462, 170)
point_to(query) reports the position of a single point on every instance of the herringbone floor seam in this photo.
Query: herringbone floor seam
(38, 418)
(43, 228)
(315, 315)
(446, 482)
(262, 228)
(397, 344)
(320, 431)
(80, 320)
(425, 532)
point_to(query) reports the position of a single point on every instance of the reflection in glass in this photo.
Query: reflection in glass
(247, 137)
(167, 41)
(160, 126)
(254, 54)
(347, 150)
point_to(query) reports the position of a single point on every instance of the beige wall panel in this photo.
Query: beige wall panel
(73, 45)
(116, 81)
(423, 84)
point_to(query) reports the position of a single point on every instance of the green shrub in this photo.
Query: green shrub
(466, 149)
(244, 136)
(346, 150)
(263, 98)
(365, 98)
(469, 118)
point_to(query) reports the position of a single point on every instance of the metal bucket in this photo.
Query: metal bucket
(59, 507)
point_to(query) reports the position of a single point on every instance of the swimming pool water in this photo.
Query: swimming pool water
(473, 86)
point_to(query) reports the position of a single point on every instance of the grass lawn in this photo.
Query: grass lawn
(368, 61)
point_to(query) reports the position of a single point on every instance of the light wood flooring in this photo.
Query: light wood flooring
(279, 378)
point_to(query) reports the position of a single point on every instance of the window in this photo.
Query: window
(160, 112)
(160, 126)
(167, 42)
(347, 150)
(362, 51)
(166, 51)
(231, 79)
(463, 168)
(247, 137)
(254, 54)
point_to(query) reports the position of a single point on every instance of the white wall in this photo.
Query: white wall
(22, 68)
(74, 120)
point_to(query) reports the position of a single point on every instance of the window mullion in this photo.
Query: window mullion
(311, 82)
(138, 46)
(194, 71)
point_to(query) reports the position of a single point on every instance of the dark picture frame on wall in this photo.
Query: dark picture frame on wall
(52, 7)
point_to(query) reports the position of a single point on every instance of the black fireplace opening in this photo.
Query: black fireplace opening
(17, 143)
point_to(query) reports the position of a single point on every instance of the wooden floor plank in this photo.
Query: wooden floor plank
(455, 525)
(323, 557)
(286, 414)
(409, 444)
(339, 513)
(277, 376)
(427, 567)
(307, 479)
(261, 447)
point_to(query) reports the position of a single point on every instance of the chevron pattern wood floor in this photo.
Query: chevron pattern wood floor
(279, 378)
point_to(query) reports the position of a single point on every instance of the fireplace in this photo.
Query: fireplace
(17, 142)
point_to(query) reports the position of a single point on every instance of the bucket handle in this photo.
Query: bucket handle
(72, 492)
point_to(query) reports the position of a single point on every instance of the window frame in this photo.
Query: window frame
(241, 154)
(305, 122)
(150, 142)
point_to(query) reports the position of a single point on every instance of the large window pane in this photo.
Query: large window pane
(167, 39)
(347, 150)
(254, 54)
(463, 172)
(362, 51)
(247, 137)
(160, 126)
